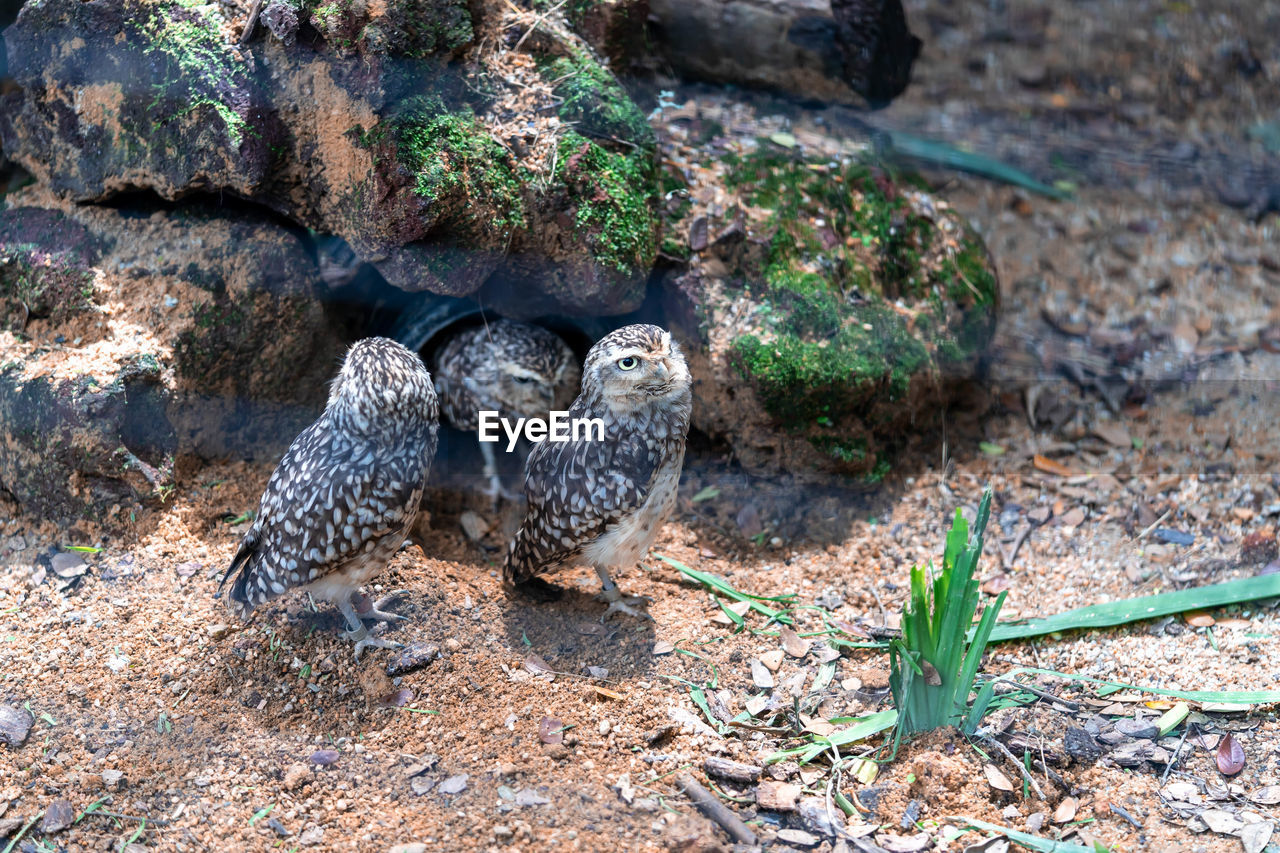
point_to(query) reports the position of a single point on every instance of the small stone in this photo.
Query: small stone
(605, 726)
(777, 796)
(112, 779)
(324, 757)
(454, 784)
(647, 805)
(1136, 728)
(412, 657)
(295, 776)
(772, 659)
(504, 832)
(17, 543)
(1259, 547)
(508, 769)
(218, 631)
(798, 837)
(68, 565)
(14, 725)
(452, 644)
(57, 817)
(473, 526)
(312, 835)
(1080, 745)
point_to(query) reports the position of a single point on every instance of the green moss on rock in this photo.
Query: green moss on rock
(613, 195)
(594, 102)
(456, 163)
(188, 33)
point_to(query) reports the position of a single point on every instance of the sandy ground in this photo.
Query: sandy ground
(171, 726)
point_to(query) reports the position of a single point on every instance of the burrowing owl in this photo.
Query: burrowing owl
(341, 500)
(601, 503)
(516, 369)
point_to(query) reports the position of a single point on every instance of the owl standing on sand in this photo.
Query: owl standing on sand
(601, 503)
(338, 505)
(516, 369)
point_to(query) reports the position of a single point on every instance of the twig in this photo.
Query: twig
(1144, 534)
(1026, 774)
(253, 22)
(1174, 760)
(884, 617)
(1007, 557)
(1120, 812)
(716, 810)
(1043, 694)
(153, 821)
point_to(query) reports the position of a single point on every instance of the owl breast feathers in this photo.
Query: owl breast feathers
(340, 501)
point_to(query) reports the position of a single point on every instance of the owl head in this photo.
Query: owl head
(382, 389)
(636, 366)
(524, 371)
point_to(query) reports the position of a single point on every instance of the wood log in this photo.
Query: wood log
(842, 51)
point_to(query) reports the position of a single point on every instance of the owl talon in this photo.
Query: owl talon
(619, 603)
(363, 640)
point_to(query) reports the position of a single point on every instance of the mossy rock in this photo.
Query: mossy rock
(839, 318)
(382, 123)
(211, 344)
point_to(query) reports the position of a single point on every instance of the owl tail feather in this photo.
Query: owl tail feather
(238, 597)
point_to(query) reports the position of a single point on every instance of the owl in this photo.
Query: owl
(602, 502)
(516, 369)
(338, 505)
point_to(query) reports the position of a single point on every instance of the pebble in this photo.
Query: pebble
(14, 725)
(605, 726)
(508, 769)
(324, 757)
(57, 817)
(501, 831)
(452, 644)
(112, 779)
(412, 657)
(295, 776)
(473, 526)
(798, 837)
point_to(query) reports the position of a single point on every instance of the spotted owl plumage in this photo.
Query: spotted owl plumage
(517, 369)
(340, 502)
(602, 503)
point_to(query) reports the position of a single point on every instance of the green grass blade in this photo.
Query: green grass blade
(1026, 839)
(981, 637)
(979, 709)
(1128, 610)
(720, 585)
(1239, 697)
(869, 726)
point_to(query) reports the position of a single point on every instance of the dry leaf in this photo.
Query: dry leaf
(606, 692)
(1113, 433)
(1254, 836)
(1230, 755)
(550, 730)
(662, 647)
(821, 728)
(792, 643)
(760, 675)
(777, 796)
(931, 676)
(1049, 466)
(1268, 795)
(996, 778)
(1066, 810)
(591, 629)
(1198, 619)
(996, 584)
(536, 665)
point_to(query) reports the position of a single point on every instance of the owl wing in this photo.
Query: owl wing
(576, 491)
(328, 500)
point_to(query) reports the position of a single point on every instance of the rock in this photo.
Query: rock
(848, 337)
(473, 526)
(798, 837)
(816, 817)
(454, 784)
(413, 847)
(57, 817)
(295, 776)
(1080, 745)
(142, 391)
(14, 725)
(1258, 548)
(777, 796)
(366, 129)
(324, 757)
(112, 779)
(412, 657)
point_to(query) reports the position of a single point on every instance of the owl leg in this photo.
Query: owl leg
(618, 603)
(495, 491)
(358, 633)
(366, 609)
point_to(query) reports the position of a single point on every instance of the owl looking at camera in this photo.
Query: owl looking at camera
(602, 503)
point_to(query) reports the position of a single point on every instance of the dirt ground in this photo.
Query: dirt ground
(171, 726)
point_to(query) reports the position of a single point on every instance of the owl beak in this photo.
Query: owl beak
(662, 368)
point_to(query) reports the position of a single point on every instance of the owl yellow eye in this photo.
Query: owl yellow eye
(629, 363)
